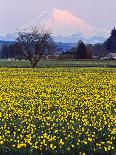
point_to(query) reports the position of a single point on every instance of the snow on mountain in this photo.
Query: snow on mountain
(65, 26)
(64, 23)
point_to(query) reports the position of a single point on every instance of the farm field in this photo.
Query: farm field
(57, 111)
(56, 63)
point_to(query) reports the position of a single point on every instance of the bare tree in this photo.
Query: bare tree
(36, 44)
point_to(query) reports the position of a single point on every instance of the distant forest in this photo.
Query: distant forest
(66, 50)
(89, 51)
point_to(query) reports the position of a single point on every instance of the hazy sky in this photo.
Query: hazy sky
(15, 13)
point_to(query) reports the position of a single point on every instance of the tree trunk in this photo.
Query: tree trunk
(34, 63)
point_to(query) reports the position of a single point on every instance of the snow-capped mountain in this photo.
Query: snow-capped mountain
(66, 27)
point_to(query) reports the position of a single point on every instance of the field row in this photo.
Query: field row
(56, 63)
(57, 111)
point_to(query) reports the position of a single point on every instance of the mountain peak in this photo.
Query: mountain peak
(61, 12)
(64, 24)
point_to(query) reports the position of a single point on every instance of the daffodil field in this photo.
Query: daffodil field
(57, 111)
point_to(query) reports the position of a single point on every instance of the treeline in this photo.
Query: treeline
(89, 51)
(13, 50)
(81, 51)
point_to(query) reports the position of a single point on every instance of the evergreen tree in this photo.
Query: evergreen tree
(81, 51)
(110, 43)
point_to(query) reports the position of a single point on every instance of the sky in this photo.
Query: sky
(15, 13)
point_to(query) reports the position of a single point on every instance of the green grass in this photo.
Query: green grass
(55, 63)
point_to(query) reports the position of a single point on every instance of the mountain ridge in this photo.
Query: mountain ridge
(65, 27)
